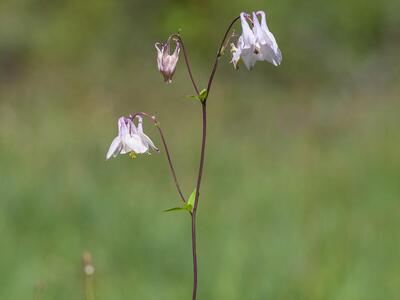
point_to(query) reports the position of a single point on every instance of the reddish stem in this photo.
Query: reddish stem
(171, 166)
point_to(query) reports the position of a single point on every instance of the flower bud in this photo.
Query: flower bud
(167, 62)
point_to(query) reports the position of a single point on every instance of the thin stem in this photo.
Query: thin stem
(171, 166)
(187, 62)
(88, 270)
(202, 156)
(89, 291)
(217, 58)
(194, 293)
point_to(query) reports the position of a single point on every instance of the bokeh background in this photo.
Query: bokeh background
(301, 192)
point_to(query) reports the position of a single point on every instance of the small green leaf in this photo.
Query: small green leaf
(188, 206)
(203, 95)
(176, 209)
(190, 202)
(193, 97)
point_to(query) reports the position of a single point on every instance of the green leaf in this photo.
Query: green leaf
(203, 95)
(188, 206)
(175, 209)
(193, 97)
(190, 203)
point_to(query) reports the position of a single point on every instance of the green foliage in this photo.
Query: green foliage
(192, 199)
(188, 206)
(179, 208)
(193, 97)
(201, 97)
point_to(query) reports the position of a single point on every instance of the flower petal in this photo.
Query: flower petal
(115, 148)
(148, 142)
(249, 58)
(159, 55)
(131, 127)
(122, 127)
(268, 54)
(267, 39)
(247, 33)
(134, 143)
(258, 32)
(145, 139)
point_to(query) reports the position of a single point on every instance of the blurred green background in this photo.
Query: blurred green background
(301, 194)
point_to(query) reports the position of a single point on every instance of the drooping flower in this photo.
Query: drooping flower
(256, 43)
(166, 61)
(265, 40)
(246, 45)
(130, 139)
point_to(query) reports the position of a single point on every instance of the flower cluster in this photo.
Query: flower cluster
(130, 139)
(256, 43)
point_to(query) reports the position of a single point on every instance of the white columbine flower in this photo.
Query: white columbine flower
(130, 139)
(265, 40)
(255, 44)
(166, 62)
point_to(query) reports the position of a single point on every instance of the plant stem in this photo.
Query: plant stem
(202, 155)
(194, 293)
(171, 166)
(88, 271)
(89, 291)
(219, 54)
(187, 62)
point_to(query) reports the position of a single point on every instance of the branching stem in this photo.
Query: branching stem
(202, 155)
(203, 140)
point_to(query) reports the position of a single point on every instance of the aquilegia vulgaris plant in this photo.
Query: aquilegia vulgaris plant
(256, 43)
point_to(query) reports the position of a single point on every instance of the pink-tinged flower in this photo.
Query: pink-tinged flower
(130, 139)
(256, 43)
(166, 61)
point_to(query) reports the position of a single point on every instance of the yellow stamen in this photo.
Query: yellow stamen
(132, 154)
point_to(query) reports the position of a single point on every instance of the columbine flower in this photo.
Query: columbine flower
(246, 45)
(130, 139)
(255, 44)
(265, 40)
(167, 62)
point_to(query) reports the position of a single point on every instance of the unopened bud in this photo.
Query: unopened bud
(166, 62)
